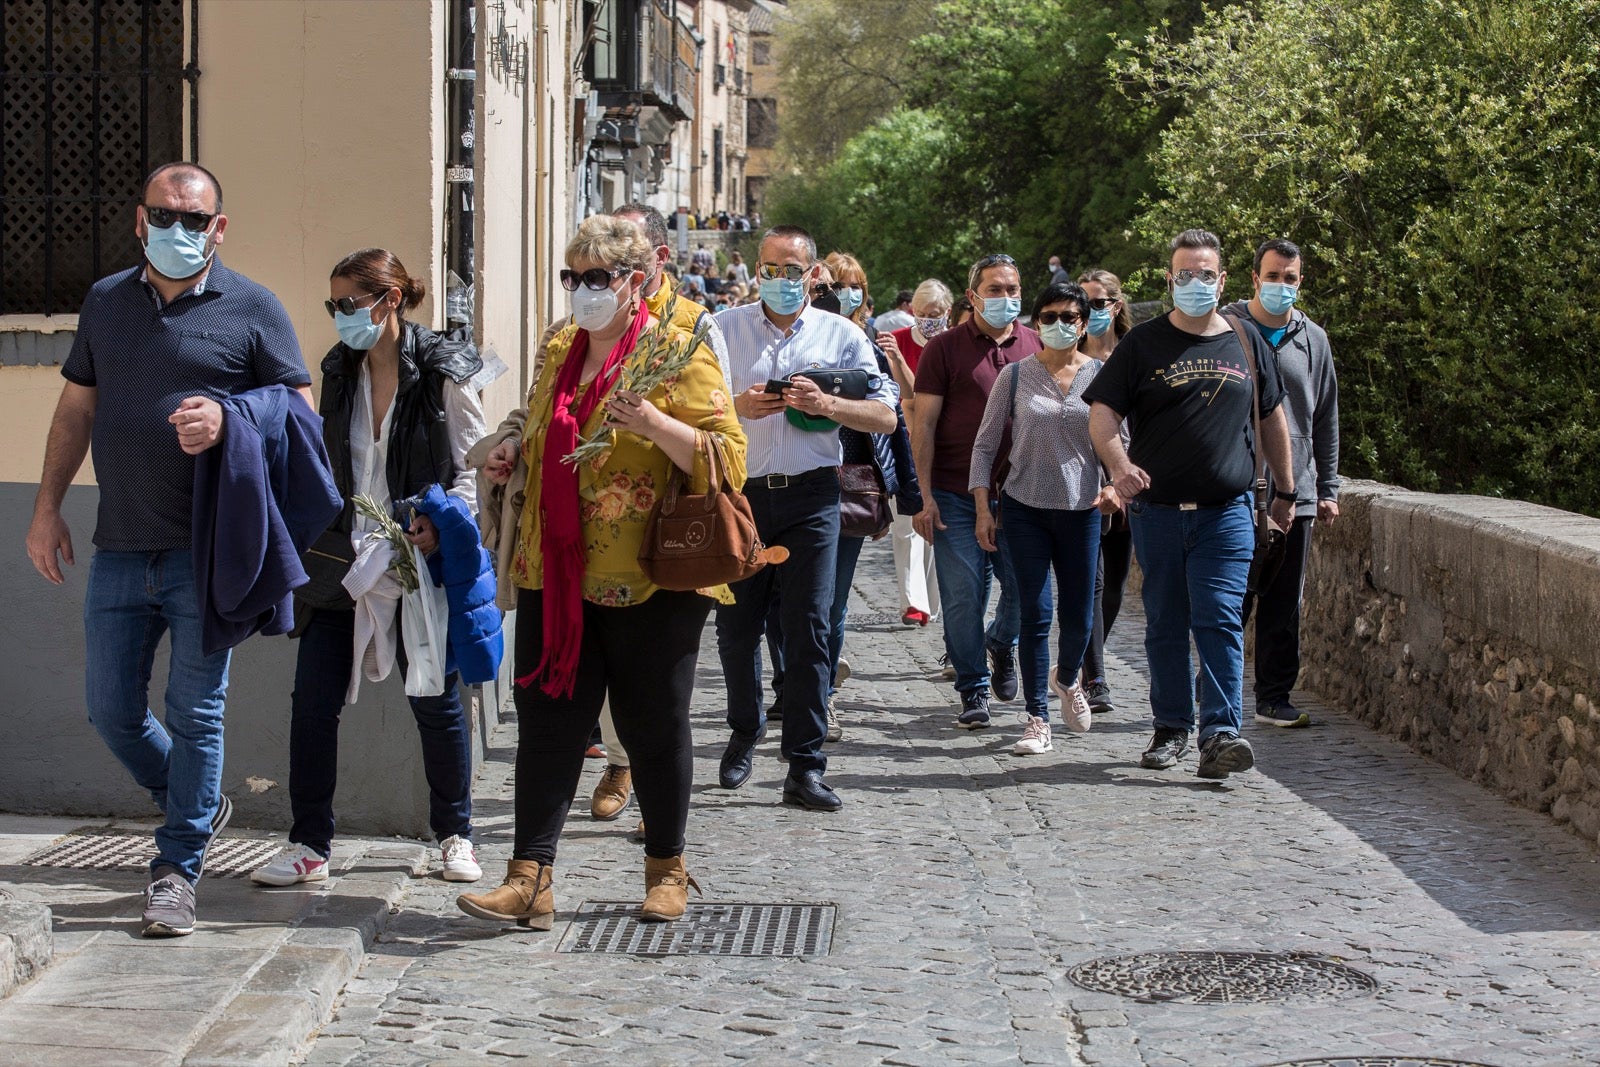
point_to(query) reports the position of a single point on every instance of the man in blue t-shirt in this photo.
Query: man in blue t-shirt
(157, 347)
(1184, 384)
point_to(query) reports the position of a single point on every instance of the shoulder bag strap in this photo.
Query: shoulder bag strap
(1239, 329)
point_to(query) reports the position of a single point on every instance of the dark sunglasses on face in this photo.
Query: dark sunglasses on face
(595, 278)
(347, 304)
(792, 273)
(1100, 303)
(1050, 318)
(193, 221)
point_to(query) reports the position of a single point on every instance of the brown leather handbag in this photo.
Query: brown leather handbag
(698, 540)
(863, 501)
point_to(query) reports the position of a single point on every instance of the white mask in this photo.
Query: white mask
(593, 309)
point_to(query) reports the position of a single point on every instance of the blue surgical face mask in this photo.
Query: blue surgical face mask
(1001, 311)
(1059, 336)
(782, 296)
(357, 328)
(1099, 321)
(1195, 299)
(849, 300)
(1278, 298)
(175, 252)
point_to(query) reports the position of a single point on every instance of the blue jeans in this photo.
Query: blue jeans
(804, 518)
(965, 572)
(1195, 566)
(1039, 540)
(321, 678)
(132, 600)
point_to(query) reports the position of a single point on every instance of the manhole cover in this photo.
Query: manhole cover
(1222, 977)
(1380, 1061)
(704, 930)
(125, 850)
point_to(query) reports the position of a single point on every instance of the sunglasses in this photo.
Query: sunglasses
(596, 278)
(1050, 318)
(1100, 303)
(347, 304)
(193, 221)
(770, 271)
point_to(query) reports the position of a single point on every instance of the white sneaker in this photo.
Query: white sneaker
(1075, 713)
(1035, 738)
(841, 673)
(293, 863)
(460, 862)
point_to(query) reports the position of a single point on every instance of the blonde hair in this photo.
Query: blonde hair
(611, 240)
(932, 291)
(842, 263)
(1113, 287)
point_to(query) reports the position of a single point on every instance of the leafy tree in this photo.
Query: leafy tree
(1439, 162)
(843, 65)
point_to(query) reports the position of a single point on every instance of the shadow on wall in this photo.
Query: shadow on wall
(55, 763)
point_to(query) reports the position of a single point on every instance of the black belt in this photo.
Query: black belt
(1194, 505)
(785, 481)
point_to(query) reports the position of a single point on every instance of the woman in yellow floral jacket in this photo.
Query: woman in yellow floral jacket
(589, 624)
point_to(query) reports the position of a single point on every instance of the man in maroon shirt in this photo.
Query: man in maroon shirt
(954, 376)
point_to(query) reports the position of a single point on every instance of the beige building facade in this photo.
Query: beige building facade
(442, 130)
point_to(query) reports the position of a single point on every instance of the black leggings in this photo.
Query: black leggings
(643, 657)
(1116, 554)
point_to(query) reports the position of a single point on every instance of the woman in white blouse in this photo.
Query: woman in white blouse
(1049, 504)
(399, 413)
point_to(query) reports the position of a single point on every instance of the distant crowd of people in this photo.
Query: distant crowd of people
(1037, 453)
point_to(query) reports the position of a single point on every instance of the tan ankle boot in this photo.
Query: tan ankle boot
(666, 886)
(526, 897)
(611, 794)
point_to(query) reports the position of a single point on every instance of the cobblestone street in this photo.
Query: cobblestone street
(969, 881)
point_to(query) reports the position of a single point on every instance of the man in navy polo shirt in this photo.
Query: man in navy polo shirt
(157, 347)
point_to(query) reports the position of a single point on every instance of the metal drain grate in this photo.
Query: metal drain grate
(125, 850)
(1223, 977)
(704, 930)
(1380, 1061)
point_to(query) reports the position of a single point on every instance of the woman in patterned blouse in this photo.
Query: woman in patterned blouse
(589, 623)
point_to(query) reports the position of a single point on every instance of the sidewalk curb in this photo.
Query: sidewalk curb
(291, 994)
(27, 942)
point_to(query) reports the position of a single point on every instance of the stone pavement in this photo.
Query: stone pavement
(969, 881)
(250, 985)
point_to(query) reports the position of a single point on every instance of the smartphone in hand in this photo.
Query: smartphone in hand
(778, 385)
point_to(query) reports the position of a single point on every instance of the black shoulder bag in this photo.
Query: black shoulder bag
(1272, 541)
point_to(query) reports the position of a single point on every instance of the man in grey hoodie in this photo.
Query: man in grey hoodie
(1311, 400)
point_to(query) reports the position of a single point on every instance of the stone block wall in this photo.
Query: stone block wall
(1469, 628)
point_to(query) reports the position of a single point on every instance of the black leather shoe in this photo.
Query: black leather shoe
(809, 791)
(737, 758)
(1002, 671)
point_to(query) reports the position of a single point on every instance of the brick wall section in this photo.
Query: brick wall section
(1469, 628)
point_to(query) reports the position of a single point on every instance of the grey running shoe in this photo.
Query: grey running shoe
(1223, 754)
(1281, 713)
(168, 905)
(974, 710)
(1166, 748)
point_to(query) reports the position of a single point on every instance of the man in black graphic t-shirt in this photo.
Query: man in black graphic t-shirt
(1184, 385)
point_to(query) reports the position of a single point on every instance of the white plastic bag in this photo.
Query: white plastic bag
(424, 626)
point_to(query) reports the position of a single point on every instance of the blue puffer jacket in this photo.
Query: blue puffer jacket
(466, 570)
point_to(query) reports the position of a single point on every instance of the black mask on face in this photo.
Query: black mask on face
(828, 301)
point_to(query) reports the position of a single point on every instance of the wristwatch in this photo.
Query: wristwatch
(1279, 494)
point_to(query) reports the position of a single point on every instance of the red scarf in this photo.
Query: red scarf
(561, 510)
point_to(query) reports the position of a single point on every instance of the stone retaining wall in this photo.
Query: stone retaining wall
(1468, 627)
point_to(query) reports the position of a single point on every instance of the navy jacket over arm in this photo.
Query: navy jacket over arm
(261, 495)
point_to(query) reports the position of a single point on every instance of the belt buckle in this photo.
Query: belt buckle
(777, 481)
(1190, 506)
